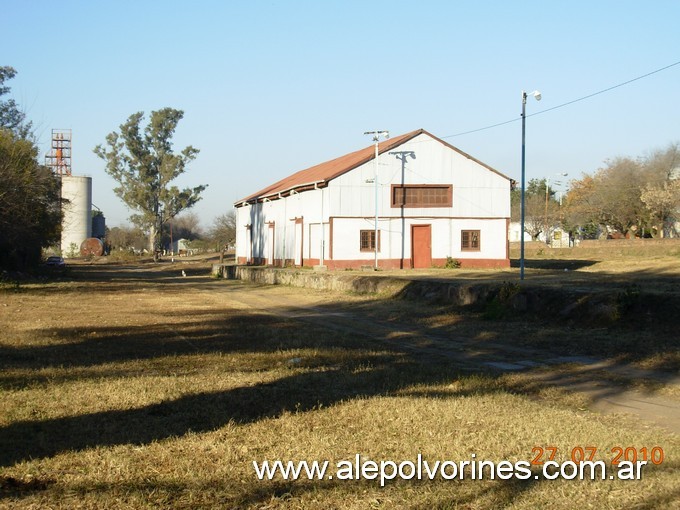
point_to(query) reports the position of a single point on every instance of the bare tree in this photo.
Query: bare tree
(223, 231)
(661, 195)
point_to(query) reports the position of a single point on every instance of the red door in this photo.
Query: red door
(421, 246)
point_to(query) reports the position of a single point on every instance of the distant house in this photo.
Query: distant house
(181, 247)
(558, 237)
(433, 202)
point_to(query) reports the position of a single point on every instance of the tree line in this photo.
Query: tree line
(634, 197)
(220, 236)
(140, 158)
(628, 197)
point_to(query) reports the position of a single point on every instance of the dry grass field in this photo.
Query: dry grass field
(133, 387)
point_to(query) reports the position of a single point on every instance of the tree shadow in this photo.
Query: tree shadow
(202, 412)
(339, 326)
(557, 264)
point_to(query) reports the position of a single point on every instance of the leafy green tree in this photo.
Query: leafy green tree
(223, 231)
(144, 164)
(537, 215)
(11, 117)
(126, 238)
(611, 197)
(30, 213)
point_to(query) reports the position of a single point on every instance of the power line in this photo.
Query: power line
(568, 102)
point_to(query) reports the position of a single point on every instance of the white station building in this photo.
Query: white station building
(431, 200)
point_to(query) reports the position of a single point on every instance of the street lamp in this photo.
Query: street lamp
(376, 139)
(537, 95)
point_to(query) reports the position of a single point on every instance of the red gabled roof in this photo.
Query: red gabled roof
(319, 175)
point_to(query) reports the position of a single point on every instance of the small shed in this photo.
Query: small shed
(181, 247)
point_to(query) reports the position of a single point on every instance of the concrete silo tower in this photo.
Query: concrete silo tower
(76, 223)
(76, 194)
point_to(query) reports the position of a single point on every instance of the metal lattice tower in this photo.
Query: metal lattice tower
(59, 157)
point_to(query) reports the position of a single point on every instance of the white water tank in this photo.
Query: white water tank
(76, 224)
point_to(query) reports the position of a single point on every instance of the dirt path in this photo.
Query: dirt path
(575, 373)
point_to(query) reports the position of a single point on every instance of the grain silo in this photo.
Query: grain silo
(76, 195)
(76, 223)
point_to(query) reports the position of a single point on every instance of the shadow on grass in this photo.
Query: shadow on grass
(558, 264)
(202, 334)
(201, 412)
(325, 383)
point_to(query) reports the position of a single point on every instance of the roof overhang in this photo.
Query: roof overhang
(270, 197)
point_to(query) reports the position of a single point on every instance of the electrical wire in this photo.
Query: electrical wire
(608, 89)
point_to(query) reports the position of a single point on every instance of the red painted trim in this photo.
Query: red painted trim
(423, 217)
(394, 263)
(507, 239)
(249, 236)
(272, 232)
(390, 264)
(330, 235)
(302, 239)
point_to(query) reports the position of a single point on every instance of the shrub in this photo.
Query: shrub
(452, 263)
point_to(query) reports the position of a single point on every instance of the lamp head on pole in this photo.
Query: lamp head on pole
(535, 93)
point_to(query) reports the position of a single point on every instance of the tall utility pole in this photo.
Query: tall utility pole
(536, 95)
(376, 139)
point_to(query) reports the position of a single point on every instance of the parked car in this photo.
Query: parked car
(56, 262)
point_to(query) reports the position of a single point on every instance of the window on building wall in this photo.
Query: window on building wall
(367, 240)
(422, 195)
(470, 240)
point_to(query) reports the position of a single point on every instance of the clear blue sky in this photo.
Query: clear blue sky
(272, 87)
